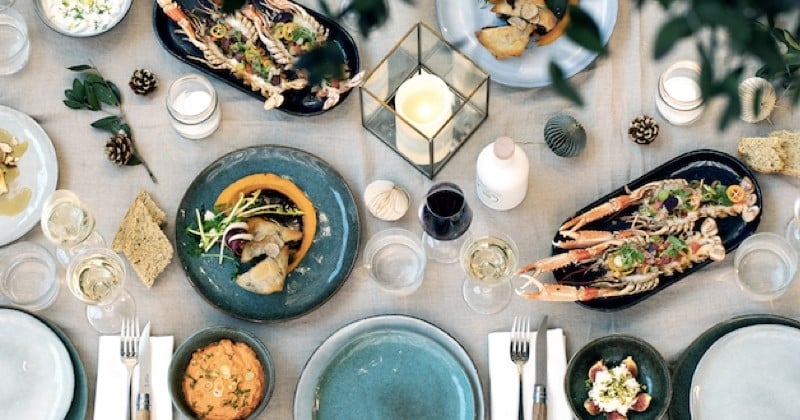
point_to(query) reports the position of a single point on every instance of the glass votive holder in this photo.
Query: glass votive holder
(194, 107)
(765, 265)
(28, 276)
(679, 99)
(15, 46)
(395, 260)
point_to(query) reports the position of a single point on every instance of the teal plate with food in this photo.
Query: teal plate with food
(44, 340)
(389, 367)
(267, 233)
(765, 374)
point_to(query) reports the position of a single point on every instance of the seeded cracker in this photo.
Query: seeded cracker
(141, 240)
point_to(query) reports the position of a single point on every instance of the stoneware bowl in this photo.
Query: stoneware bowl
(202, 338)
(612, 349)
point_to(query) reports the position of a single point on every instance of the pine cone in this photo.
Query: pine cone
(143, 82)
(119, 148)
(643, 130)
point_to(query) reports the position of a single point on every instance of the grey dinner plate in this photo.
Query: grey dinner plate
(324, 268)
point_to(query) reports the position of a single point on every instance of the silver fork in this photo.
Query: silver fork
(129, 353)
(520, 351)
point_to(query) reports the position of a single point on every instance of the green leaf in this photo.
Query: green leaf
(562, 86)
(707, 88)
(73, 104)
(91, 99)
(94, 79)
(790, 40)
(731, 112)
(126, 128)
(133, 161)
(78, 90)
(105, 95)
(673, 31)
(584, 31)
(110, 124)
(69, 94)
(115, 91)
(324, 62)
(81, 67)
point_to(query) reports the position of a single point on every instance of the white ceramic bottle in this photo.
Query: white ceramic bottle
(502, 174)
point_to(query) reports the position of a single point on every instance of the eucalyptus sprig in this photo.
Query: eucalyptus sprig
(91, 91)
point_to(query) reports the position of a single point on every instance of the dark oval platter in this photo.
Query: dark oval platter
(710, 165)
(296, 102)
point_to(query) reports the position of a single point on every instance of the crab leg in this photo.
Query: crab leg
(575, 256)
(587, 238)
(565, 293)
(174, 12)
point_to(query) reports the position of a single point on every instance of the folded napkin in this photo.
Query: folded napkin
(504, 382)
(109, 401)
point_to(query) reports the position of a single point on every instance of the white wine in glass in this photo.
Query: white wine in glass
(488, 261)
(69, 225)
(96, 276)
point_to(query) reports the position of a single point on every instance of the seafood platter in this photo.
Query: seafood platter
(267, 246)
(650, 233)
(255, 49)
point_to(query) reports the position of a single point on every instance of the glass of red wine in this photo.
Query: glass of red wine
(445, 217)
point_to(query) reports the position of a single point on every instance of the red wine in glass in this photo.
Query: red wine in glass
(445, 214)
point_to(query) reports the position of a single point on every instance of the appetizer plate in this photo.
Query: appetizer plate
(183, 354)
(44, 8)
(38, 171)
(321, 272)
(460, 19)
(700, 366)
(33, 357)
(613, 349)
(710, 165)
(296, 102)
(389, 367)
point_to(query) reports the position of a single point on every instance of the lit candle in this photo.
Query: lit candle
(426, 103)
(193, 105)
(679, 98)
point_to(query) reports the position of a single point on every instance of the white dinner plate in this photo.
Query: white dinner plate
(750, 373)
(38, 378)
(38, 171)
(459, 19)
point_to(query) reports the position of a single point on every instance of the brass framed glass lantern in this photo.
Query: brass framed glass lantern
(425, 99)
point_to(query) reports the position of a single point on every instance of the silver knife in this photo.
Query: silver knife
(540, 382)
(143, 396)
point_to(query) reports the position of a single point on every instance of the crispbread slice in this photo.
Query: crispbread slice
(791, 148)
(156, 213)
(158, 216)
(146, 247)
(762, 154)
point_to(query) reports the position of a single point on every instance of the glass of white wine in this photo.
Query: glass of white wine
(489, 262)
(69, 225)
(96, 276)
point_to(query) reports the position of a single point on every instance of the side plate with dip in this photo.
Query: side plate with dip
(82, 18)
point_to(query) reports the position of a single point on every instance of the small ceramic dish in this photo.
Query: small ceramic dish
(60, 17)
(202, 338)
(612, 350)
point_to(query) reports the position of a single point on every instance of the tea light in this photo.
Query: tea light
(193, 105)
(426, 103)
(679, 98)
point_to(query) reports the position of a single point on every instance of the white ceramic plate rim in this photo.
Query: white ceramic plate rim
(459, 19)
(327, 351)
(43, 15)
(33, 336)
(738, 344)
(38, 171)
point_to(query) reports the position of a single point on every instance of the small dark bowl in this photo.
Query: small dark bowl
(202, 338)
(612, 349)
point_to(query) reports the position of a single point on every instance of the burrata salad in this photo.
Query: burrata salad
(84, 17)
(614, 391)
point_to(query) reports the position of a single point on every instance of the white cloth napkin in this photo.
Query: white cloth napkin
(109, 401)
(504, 382)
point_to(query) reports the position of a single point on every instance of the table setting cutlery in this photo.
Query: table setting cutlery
(132, 374)
(537, 378)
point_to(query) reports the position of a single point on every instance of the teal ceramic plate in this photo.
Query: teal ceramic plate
(685, 371)
(612, 349)
(80, 394)
(323, 269)
(389, 367)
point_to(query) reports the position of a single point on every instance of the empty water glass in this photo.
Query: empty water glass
(28, 276)
(15, 46)
(765, 265)
(395, 260)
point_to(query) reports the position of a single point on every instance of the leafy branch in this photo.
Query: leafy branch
(91, 91)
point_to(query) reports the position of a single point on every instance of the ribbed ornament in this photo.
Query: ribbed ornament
(564, 135)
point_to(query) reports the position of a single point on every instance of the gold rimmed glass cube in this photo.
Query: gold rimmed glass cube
(425, 99)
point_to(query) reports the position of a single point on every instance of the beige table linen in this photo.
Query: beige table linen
(616, 89)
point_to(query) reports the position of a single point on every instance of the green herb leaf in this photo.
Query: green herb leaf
(115, 91)
(105, 95)
(323, 63)
(78, 90)
(73, 104)
(91, 99)
(110, 124)
(584, 31)
(80, 67)
(94, 79)
(133, 161)
(126, 128)
(673, 31)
